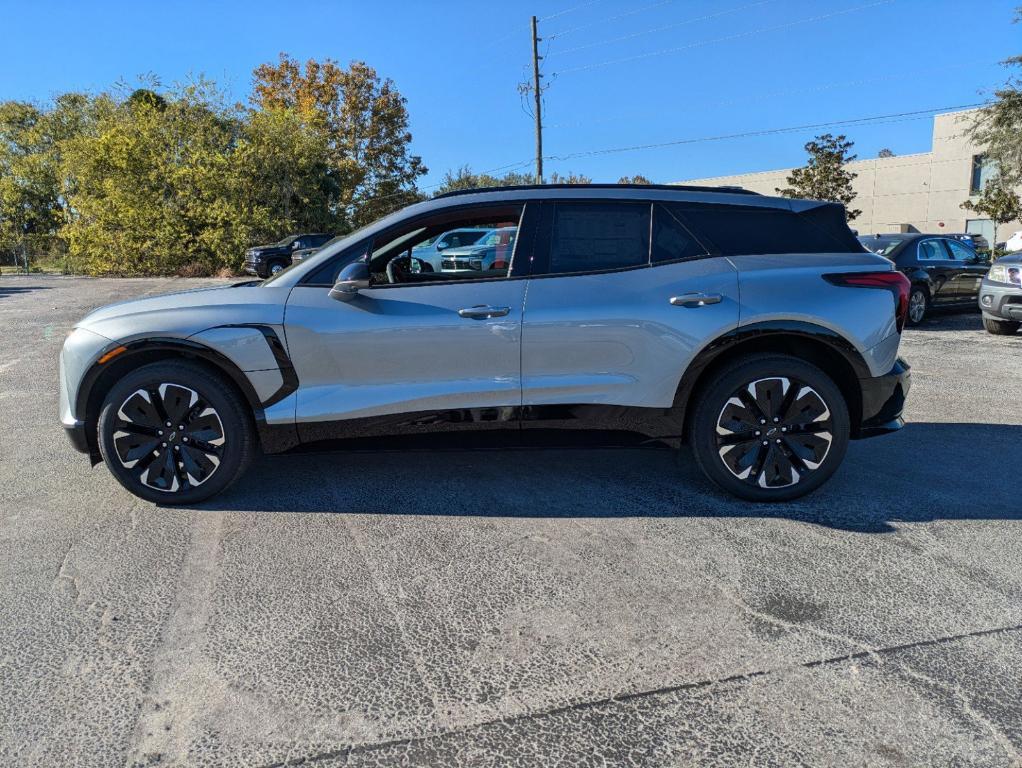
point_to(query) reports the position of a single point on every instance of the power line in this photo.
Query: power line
(661, 28)
(726, 38)
(569, 10)
(606, 19)
(919, 114)
(762, 96)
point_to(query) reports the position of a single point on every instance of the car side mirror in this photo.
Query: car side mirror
(442, 246)
(297, 244)
(352, 279)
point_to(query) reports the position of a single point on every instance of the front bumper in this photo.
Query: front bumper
(257, 268)
(76, 434)
(883, 400)
(1001, 301)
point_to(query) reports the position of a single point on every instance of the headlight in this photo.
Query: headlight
(998, 273)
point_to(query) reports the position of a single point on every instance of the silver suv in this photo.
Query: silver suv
(754, 329)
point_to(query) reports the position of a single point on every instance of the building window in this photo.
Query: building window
(982, 170)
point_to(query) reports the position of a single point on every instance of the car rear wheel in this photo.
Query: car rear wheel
(918, 305)
(175, 433)
(770, 428)
(1000, 327)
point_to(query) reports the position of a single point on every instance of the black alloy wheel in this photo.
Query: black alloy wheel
(774, 432)
(175, 433)
(770, 428)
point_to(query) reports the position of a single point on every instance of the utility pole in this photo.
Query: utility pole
(537, 94)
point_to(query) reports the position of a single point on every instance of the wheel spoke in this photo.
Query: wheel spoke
(164, 457)
(773, 432)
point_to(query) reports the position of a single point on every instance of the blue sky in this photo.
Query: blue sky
(641, 72)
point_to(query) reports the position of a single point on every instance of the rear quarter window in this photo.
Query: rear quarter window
(751, 230)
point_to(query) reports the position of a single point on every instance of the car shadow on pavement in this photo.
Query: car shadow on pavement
(10, 290)
(925, 472)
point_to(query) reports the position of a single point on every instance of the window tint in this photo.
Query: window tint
(671, 240)
(594, 236)
(932, 250)
(960, 252)
(750, 230)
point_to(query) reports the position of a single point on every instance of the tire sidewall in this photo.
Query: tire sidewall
(236, 422)
(741, 373)
(926, 303)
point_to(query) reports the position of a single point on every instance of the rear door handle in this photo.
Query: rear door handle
(482, 312)
(696, 299)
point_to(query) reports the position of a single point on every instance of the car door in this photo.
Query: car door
(934, 258)
(406, 357)
(608, 328)
(971, 270)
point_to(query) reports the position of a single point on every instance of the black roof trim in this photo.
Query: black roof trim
(657, 187)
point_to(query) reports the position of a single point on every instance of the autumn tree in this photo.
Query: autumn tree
(636, 179)
(364, 123)
(824, 176)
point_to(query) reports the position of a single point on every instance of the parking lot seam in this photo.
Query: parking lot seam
(355, 749)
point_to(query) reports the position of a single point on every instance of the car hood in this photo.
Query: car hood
(185, 313)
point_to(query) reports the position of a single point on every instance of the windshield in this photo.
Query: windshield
(286, 241)
(881, 245)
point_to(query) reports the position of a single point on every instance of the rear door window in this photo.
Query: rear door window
(592, 237)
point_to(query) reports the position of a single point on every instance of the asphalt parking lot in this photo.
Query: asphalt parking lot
(514, 608)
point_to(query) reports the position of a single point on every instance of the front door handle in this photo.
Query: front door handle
(482, 312)
(696, 299)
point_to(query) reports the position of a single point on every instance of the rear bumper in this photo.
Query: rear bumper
(883, 400)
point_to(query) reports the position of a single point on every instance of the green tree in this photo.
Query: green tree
(152, 188)
(636, 179)
(998, 126)
(464, 178)
(365, 124)
(824, 176)
(569, 178)
(999, 202)
(31, 205)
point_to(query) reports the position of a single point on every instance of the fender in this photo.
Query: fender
(766, 331)
(275, 438)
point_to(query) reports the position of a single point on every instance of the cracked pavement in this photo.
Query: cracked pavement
(495, 608)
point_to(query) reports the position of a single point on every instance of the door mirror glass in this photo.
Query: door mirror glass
(352, 279)
(442, 245)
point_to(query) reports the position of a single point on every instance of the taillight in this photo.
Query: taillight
(893, 281)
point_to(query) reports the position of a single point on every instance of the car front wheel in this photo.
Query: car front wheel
(770, 428)
(175, 433)
(1000, 327)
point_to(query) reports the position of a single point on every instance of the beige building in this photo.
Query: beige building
(908, 193)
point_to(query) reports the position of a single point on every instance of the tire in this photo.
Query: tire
(800, 458)
(274, 267)
(214, 448)
(918, 305)
(1000, 327)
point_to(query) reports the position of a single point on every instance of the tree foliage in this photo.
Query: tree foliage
(464, 178)
(364, 122)
(824, 176)
(159, 181)
(998, 126)
(998, 129)
(636, 179)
